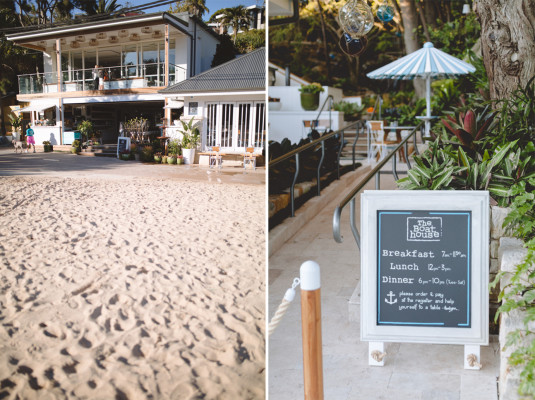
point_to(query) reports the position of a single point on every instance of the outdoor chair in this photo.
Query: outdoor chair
(215, 157)
(379, 143)
(249, 158)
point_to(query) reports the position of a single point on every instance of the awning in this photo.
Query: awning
(41, 106)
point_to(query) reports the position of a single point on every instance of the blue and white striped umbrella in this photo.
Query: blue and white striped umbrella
(425, 63)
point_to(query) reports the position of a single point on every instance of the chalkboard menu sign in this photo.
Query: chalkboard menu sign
(123, 143)
(424, 266)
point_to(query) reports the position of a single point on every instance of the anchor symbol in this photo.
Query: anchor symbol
(390, 301)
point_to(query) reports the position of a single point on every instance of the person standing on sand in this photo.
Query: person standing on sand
(30, 139)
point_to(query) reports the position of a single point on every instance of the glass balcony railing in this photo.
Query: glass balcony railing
(110, 78)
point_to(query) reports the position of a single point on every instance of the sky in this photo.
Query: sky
(213, 5)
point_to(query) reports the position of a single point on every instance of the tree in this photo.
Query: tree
(237, 17)
(410, 37)
(507, 43)
(195, 7)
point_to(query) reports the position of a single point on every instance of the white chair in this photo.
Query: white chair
(215, 157)
(379, 146)
(249, 158)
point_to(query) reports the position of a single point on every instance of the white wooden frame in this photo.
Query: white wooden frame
(475, 201)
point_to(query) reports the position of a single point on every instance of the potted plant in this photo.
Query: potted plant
(158, 157)
(134, 152)
(164, 159)
(76, 147)
(16, 123)
(352, 111)
(171, 159)
(47, 146)
(86, 128)
(310, 96)
(147, 154)
(190, 140)
(180, 159)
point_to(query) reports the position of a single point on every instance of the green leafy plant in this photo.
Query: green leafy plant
(15, 121)
(86, 128)
(350, 110)
(174, 146)
(190, 134)
(312, 88)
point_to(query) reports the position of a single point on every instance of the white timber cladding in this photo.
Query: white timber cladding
(475, 204)
(234, 125)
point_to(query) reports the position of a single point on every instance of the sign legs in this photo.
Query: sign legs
(472, 356)
(376, 354)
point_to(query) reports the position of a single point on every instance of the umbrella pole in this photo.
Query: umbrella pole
(428, 101)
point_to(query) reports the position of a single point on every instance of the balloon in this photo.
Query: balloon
(351, 46)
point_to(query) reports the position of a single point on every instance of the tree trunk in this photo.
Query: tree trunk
(430, 13)
(507, 43)
(325, 49)
(410, 26)
(423, 21)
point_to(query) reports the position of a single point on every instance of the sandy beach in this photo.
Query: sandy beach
(122, 288)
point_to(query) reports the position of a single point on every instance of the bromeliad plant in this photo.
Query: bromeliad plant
(470, 127)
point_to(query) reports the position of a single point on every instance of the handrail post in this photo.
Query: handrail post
(311, 330)
(394, 167)
(407, 155)
(319, 166)
(352, 212)
(378, 180)
(292, 195)
(339, 153)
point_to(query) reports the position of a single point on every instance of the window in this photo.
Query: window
(235, 126)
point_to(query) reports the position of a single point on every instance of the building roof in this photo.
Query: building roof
(247, 72)
(73, 27)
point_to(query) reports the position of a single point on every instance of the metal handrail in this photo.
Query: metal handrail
(331, 98)
(314, 143)
(350, 198)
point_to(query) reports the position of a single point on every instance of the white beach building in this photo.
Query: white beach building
(137, 56)
(228, 102)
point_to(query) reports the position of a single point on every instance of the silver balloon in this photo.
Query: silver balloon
(356, 18)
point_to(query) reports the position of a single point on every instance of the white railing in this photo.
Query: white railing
(116, 77)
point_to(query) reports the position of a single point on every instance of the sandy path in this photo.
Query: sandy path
(138, 289)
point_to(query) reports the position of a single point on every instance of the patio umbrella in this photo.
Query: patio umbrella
(425, 63)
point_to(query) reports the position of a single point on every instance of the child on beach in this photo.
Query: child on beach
(29, 139)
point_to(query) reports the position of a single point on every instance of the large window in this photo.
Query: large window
(130, 60)
(235, 126)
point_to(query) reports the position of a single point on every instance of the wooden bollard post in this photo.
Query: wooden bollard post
(311, 326)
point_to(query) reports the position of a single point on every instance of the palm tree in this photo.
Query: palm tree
(106, 7)
(237, 17)
(195, 7)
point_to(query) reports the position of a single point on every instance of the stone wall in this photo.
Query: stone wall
(511, 253)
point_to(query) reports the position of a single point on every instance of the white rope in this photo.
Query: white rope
(288, 298)
(377, 355)
(472, 361)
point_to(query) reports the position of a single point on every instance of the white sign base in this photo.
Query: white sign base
(376, 354)
(472, 357)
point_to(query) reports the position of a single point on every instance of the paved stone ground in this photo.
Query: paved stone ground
(411, 371)
(65, 164)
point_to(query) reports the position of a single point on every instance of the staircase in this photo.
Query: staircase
(360, 148)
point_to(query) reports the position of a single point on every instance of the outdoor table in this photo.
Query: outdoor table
(398, 130)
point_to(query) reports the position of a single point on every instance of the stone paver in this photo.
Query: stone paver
(411, 371)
